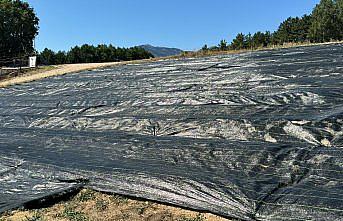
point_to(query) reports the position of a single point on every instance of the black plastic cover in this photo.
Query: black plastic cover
(253, 136)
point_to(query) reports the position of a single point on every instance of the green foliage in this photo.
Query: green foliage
(239, 42)
(93, 54)
(260, 39)
(223, 45)
(72, 215)
(205, 48)
(323, 25)
(117, 199)
(326, 21)
(293, 30)
(86, 195)
(101, 205)
(18, 28)
(60, 57)
(47, 56)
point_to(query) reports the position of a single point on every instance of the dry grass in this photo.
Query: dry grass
(272, 47)
(55, 70)
(89, 205)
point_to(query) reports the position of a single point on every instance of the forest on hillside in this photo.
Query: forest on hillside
(92, 54)
(324, 24)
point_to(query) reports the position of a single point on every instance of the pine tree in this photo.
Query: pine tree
(293, 30)
(339, 6)
(238, 42)
(248, 41)
(47, 57)
(324, 25)
(223, 45)
(204, 48)
(259, 40)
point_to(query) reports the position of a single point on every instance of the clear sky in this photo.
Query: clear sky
(185, 24)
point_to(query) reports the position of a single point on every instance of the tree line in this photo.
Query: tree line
(324, 24)
(92, 54)
(19, 26)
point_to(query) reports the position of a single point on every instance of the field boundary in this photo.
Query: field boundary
(57, 70)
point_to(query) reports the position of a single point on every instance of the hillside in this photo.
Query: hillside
(161, 51)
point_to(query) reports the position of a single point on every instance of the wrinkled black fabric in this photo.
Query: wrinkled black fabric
(254, 136)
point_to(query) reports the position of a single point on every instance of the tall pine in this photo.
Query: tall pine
(324, 25)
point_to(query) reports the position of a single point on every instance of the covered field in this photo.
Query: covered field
(253, 136)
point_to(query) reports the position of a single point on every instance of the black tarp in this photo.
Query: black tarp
(254, 136)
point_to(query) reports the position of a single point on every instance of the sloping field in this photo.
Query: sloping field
(56, 70)
(255, 136)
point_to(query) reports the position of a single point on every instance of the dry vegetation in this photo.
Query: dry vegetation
(55, 70)
(272, 47)
(89, 205)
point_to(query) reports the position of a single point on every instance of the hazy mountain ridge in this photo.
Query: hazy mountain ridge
(161, 51)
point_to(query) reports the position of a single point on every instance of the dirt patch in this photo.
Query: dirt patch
(89, 205)
(55, 70)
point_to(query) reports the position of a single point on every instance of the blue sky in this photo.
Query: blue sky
(185, 24)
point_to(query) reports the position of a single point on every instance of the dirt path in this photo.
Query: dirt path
(56, 70)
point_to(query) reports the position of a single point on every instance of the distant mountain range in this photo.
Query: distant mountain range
(161, 51)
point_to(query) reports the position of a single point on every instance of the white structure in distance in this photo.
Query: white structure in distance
(33, 61)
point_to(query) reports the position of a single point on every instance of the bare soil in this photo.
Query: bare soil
(89, 205)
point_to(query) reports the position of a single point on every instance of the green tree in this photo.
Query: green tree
(268, 38)
(90, 54)
(47, 57)
(18, 28)
(223, 45)
(238, 42)
(103, 53)
(339, 6)
(60, 57)
(325, 25)
(293, 30)
(259, 40)
(204, 48)
(248, 41)
(214, 48)
(74, 55)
